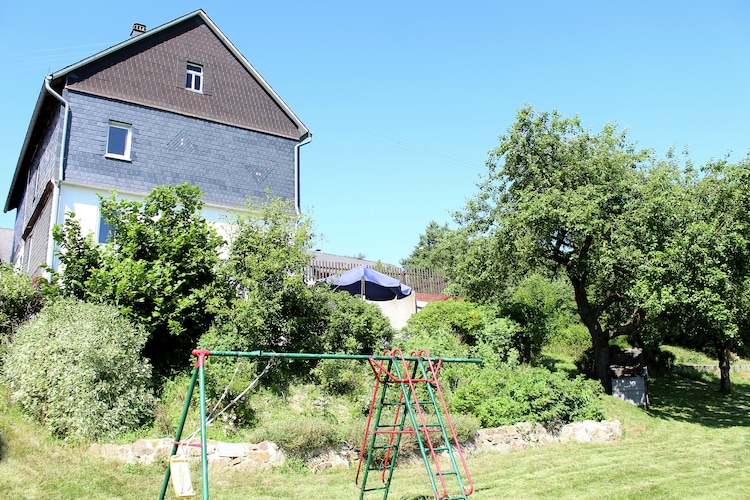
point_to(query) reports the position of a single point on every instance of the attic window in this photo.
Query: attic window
(194, 78)
(118, 140)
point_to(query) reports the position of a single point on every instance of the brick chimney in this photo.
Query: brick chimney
(138, 29)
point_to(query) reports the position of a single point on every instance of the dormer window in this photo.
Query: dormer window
(194, 77)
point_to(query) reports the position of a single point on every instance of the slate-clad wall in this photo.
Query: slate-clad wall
(45, 167)
(229, 164)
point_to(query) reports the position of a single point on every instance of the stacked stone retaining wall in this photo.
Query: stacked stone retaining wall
(266, 455)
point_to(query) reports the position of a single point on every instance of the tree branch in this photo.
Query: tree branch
(636, 320)
(608, 302)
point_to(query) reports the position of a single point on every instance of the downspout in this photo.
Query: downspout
(61, 172)
(297, 203)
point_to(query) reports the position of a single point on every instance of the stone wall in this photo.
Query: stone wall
(242, 456)
(266, 455)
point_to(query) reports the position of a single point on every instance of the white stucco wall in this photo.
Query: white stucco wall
(83, 201)
(398, 310)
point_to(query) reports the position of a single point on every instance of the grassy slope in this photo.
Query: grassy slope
(692, 443)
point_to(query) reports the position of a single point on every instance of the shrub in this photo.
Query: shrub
(496, 342)
(352, 326)
(505, 396)
(77, 368)
(19, 300)
(461, 317)
(319, 421)
(572, 340)
(343, 376)
(158, 267)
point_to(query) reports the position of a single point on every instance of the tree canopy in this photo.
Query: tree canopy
(559, 197)
(697, 285)
(641, 242)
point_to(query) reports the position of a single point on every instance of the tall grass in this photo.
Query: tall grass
(691, 443)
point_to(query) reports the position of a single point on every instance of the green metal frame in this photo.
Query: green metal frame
(199, 375)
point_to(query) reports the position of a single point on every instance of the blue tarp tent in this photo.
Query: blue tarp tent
(369, 283)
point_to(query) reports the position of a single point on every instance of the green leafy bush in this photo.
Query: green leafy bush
(497, 342)
(305, 420)
(572, 340)
(343, 376)
(158, 267)
(19, 300)
(505, 396)
(77, 368)
(352, 325)
(461, 317)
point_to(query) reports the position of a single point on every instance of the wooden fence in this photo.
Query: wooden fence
(421, 280)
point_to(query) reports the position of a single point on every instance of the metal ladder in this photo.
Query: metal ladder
(417, 393)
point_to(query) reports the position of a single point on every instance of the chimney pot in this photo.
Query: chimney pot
(138, 29)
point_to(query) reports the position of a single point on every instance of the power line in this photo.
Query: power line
(359, 130)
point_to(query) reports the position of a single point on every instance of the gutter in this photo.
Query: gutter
(306, 140)
(61, 173)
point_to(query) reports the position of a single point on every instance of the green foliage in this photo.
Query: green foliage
(558, 197)
(505, 396)
(571, 340)
(342, 376)
(461, 328)
(158, 267)
(434, 250)
(77, 369)
(320, 420)
(351, 325)
(500, 341)
(273, 308)
(79, 256)
(20, 299)
(698, 287)
(462, 318)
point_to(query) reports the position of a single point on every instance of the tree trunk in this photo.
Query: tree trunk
(600, 343)
(599, 339)
(723, 351)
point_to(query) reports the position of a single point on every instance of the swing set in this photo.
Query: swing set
(406, 392)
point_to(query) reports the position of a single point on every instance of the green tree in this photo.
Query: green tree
(268, 254)
(559, 197)
(158, 267)
(698, 282)
(434, 250)
(541, 306)
(273, 307)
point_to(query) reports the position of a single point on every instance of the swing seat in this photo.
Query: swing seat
(180, 472)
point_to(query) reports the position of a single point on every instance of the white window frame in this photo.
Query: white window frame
(194, 73)
(128, 139)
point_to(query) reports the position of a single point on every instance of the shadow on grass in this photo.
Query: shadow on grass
(699, 401)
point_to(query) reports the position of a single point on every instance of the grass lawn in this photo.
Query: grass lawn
(692, 443)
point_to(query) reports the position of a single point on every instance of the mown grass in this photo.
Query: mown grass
(691, 443)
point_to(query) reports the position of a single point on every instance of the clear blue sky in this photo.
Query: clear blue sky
(405, 98)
